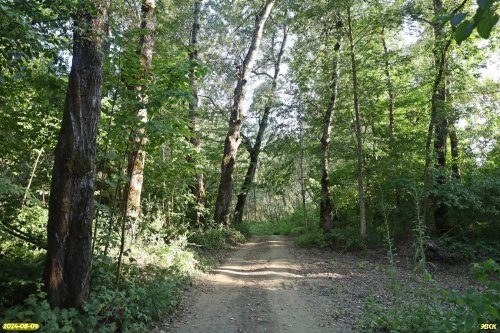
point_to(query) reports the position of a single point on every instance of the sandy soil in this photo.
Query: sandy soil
(268, 285)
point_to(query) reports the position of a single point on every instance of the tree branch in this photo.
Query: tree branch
(16, 232)
(246, 142)
(262, 73)
(217, 106)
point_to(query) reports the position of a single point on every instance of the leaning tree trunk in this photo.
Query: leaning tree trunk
(326, 206)
(255, 151)
(71, 206)
(252, 168)
(233, 138)
(198, 188)
(137, 157)
(359, 144)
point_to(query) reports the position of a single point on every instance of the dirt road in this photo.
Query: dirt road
(260, 288)
(269, 285)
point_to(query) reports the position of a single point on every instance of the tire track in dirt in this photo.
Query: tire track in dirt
(260, 288)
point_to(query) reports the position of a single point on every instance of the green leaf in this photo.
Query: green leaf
(478, 16)
(485, 26)
(485, 4)
(457, 18)
(440, 18)
(463, 31)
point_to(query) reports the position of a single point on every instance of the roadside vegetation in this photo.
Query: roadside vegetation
(153, 275)
(140, 139)
(426, 306)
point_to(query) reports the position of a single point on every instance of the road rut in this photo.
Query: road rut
(260, 288)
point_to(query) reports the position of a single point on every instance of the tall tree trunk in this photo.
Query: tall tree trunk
(455, 168)
(437, 111)
(137, 157)
(437, 124)
(254, 204)
(391, 95)
(302, 177)
(233, 138)
(71, 207)
(440, 150)
(198, 188)
(390, 86)
(359, 143)
(255, 151)
(441, 125)
(326, 206)
(252, 168)
(428, 141)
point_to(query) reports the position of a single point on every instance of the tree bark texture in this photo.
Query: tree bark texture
(137, 157)
(455, 168)
(438, 125)
(438, 100)
(326, 206)
(441, 125)
(359, 143)
(440, 150)
(71, 206)
(233, 138)
(255, 150)
(198, 188)
(301, 169)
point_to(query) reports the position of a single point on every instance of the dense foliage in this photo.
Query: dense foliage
(418, 68)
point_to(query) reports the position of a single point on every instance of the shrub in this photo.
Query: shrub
(471, 250)
(217, 238)
(347, 238)
(449, 311)
(313, 238)
(145, 294)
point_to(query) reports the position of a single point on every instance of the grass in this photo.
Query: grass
(293, 224)
(272, 228)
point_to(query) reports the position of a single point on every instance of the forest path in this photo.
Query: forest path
(262, 287)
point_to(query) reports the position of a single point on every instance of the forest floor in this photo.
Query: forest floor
(269, 285)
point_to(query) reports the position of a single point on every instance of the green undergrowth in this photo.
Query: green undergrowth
(308, 234)
(217, 238)
(152, 278)
(19, 272)
(291, 224)
(437, 309)
(470, 249)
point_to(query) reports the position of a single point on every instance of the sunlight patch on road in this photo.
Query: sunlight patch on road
(326, 275)
(265, 273)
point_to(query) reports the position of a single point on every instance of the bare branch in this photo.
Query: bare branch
(262, 73)
(217, 106)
